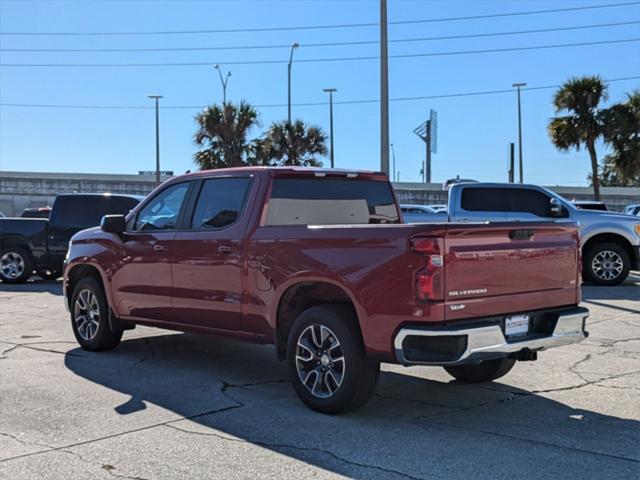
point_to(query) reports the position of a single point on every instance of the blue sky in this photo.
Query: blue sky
(474, 131)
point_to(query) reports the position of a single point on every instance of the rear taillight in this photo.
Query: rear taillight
(430, 279)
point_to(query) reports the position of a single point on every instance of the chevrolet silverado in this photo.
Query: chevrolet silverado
(318, 263)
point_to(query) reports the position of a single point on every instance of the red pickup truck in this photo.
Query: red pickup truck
(318, 263)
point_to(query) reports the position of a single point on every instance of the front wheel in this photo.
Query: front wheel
(90, 317)
(328, 365)
(606, 264)
(482, 372)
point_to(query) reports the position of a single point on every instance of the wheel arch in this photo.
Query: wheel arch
(77, 273)
(16, 242)
(301, 295)
(608, 238)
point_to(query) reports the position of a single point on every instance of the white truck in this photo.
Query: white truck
(610, 242)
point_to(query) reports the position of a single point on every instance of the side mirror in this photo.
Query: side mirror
(113, 224)
(555, 208)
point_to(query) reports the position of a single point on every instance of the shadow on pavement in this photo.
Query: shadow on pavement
(36, 284)
(413, 428)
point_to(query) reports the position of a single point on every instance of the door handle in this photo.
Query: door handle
(159, 248)
(520, 234)
(225, 249)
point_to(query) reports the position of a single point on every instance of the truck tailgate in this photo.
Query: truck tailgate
(493, 269)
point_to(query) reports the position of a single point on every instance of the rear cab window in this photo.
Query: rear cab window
(320, 201)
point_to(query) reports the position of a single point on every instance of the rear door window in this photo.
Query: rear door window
(483, 199)
(220, 202)
(296, 201)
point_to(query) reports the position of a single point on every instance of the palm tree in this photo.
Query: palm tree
(622, 132)
(580, 98)
(223, 133)
(292, 144)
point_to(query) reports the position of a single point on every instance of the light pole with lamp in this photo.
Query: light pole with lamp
(293, 47)
(223, 81)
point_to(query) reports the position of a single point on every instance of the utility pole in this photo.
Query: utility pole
(156, 98)
(518, 86)
(224, 82)
(393, 153)
(330, 92)
(384, 90)
(428, 157)
(511, 162)
(293, 47)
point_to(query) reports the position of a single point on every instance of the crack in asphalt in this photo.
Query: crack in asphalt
(223, 387)
(283, 446)
(26, 442)
(537, 442)
(30, 346)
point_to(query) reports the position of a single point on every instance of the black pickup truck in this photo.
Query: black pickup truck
(40, 245)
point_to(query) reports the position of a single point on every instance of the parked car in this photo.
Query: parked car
(42, 212)
(632, 210)
(610, 241)
(35, 244)
(590, 205)
(416, 213)
(438, 208)
(318, 263)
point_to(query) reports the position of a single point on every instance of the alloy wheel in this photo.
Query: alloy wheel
(607, 265)
(87, 314)
(319, 361)
(11, 265)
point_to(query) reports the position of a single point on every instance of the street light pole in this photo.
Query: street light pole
(330, 92)
(156, 98)
(224, 82)
(384, 90)
(293, 47)
(518, 86)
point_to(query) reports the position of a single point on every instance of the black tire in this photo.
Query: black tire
(19, 257)
(359, 373)
(91, 338)
(482, 372)
(601, 253)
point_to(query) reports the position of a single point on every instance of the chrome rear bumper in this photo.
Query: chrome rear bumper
(486, 342)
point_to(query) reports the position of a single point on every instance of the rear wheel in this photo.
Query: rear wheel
(16, 265)
(328, 365)
(481, 372)
(90, 317)
(606, 263)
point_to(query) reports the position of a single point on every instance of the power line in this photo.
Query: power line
(325, 44)
(321, 60)
(307, 104)
(323, 27)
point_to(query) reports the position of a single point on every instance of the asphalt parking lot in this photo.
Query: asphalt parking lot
(168, 405)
